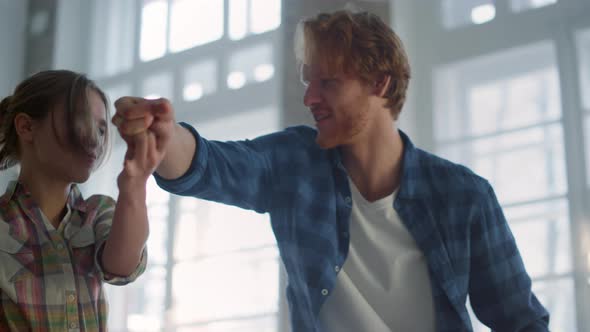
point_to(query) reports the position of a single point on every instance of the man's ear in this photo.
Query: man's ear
(23, 124)
(382, 85)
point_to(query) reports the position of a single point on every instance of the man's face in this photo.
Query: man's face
(339, 103)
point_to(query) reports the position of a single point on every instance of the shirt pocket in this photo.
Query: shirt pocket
(18, 261)
(83, 246)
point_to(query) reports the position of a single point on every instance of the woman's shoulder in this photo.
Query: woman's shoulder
(100, 202)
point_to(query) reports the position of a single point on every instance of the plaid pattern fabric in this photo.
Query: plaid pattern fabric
(452, 214)
(50, 279)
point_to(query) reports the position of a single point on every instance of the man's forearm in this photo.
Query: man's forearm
(179, 154)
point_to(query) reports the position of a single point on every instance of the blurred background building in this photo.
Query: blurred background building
(502, 86)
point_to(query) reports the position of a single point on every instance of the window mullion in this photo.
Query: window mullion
(575, 164)
(173, 207)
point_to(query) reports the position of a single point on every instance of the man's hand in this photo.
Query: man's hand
(174, 143)
(136, 115)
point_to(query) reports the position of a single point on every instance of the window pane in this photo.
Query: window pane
(208, 289)
(117, 91)
(195, 22)
(583, 43)
(587, 133)
(558, 297)
(498, 92)
(238, 19)
(456, 13)
(542, 234)
(112, 39)
(145, 300)
(260, 121)
(154, 16)
(521, 5)
(519, 101)
(207, 228)
(522, 165)
(156, 86)
(200, 79)
(265, 324)
(157, 202)
(253, 17)
(249, 65)
(265, 15)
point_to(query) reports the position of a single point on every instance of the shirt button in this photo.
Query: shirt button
(345, 234)
(60, 246)
(337, 268)
(324, 292)
(348, 200)
(73, 325)
(71, 298)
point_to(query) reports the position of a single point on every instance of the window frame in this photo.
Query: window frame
(252, 96)
(432, 47)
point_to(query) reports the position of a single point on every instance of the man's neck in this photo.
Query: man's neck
(374, 161)
(50, 195)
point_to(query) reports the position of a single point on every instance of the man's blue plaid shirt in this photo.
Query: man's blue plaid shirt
(452, 213)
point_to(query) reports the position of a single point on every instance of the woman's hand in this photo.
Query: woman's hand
(141, 159)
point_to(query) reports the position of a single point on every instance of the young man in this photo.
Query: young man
(375, 234)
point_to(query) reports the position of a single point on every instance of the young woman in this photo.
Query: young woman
(57, 248)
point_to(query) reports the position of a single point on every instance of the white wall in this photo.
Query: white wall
(12, 38)
(13, 18)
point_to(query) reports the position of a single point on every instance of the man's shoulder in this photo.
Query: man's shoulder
(445, 173)
(298, 138)
(305, 134)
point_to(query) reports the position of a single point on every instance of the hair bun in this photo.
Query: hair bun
(4, 104)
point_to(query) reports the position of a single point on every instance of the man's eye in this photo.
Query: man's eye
(327, 82)
(102, 131)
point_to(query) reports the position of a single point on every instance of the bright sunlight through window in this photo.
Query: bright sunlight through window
(482, 14)
(153, 30)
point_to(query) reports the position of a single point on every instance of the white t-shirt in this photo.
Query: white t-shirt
(384, 285)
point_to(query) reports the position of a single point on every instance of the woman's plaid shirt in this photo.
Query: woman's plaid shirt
(51, 279)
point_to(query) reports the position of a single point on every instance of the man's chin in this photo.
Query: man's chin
(325, 143)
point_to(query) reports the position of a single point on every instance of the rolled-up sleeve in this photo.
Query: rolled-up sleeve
(105, 207)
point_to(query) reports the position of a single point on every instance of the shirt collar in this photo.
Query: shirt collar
(412, 177)
(75, 200)
(413, 173)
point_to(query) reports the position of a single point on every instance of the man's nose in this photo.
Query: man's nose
(312, 95)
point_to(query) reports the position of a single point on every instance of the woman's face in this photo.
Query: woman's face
(57, 156)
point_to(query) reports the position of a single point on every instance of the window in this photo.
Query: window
(112, 37)
(179, 49)
(253, 17)
(192, 23)
(200, 79)
(250, 65)
(154, 17)
(500, 115)
(195, 22)
(225, 259)
(521, 5)
(457, 13)
(157, 86)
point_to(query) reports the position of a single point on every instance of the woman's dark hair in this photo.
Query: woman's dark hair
(40, 94)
